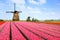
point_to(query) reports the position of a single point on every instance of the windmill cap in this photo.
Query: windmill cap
(15, 11)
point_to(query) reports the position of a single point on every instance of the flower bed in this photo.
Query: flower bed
(2, 23)
(57, 23)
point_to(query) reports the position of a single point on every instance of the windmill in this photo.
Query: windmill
(15, 15)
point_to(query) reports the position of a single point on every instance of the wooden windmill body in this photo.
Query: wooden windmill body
(15, 15)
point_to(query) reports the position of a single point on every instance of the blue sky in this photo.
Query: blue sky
(39, 9)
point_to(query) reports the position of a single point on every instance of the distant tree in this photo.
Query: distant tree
(34, 20)
(28, 19)
(1, 20)
(51, 20)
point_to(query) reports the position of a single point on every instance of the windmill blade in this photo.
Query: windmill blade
(14, 7)
(19, 11)
(9, 12)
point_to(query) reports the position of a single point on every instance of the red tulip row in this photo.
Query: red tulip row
(2, 23)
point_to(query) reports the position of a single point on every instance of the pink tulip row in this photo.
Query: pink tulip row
(29, 31)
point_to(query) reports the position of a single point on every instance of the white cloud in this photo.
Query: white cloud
(50, 13)
(33, 2)
(34, 10)
(37, 3)
(18, 1)
(42, 1)
(53, 13)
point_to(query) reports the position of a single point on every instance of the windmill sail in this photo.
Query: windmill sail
(9, 12)
(14, 7)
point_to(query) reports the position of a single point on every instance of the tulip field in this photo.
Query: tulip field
(29, 31)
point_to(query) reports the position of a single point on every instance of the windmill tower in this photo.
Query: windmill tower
(15, 15)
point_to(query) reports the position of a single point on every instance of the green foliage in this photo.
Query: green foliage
(1, 20)
(52, 20)
(28, 19)
(34, 20)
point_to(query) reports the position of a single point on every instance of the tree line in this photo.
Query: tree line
(33, 19)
